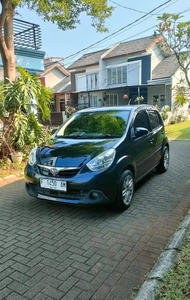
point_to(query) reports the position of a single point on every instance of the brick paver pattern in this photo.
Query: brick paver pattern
(50, 250)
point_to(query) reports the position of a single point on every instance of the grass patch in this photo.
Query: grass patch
(4, 174)
(178, 131)
(176, 284)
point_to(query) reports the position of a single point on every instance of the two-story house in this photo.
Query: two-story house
(118, 75)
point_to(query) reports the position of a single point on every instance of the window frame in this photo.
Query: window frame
(92, 100)
(108, 99)
(92, 81)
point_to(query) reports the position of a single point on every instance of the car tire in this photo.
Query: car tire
(164, 163)
(126, 190)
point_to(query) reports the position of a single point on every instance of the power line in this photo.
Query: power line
(121, 29)
(133, 9)
(110, 45)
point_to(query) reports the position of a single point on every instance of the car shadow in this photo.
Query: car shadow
(145, 179)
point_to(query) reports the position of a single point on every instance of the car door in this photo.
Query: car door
(143, 146)
(157, 127)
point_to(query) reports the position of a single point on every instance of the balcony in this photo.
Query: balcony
(125, 74)
(27, 35)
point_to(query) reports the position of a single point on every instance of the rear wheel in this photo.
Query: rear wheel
(164, 163)
(126, 190)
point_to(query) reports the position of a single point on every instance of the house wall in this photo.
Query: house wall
(91, 70)
(145, 67)
(156, 57)
(53, 77)
(159, 90)
(102, 74)
(80, 82)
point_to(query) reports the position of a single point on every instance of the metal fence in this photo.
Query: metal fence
(26, 34)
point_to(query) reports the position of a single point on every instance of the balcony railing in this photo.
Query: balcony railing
(27, 35)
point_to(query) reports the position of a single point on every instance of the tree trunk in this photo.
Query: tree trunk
(7, 40)
(7, 146)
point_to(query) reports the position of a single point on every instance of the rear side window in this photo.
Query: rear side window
(155, 119)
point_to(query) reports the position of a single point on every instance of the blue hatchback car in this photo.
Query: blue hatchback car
(98, 155)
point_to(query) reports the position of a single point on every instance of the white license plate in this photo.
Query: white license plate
(53, 184)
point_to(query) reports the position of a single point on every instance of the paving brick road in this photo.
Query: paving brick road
(53, 251)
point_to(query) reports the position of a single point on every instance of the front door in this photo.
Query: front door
(143, 146)
(62, 105)
(158, 134)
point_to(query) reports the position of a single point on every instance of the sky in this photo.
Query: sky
(58, 43)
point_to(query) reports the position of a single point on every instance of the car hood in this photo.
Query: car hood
(61, 152)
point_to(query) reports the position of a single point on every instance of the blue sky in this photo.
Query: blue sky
(60, 43)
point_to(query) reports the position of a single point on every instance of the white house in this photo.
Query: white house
(118, 75)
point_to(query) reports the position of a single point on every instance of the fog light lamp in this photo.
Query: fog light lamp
(94, 195)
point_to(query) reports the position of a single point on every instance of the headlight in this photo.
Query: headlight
(32, 157)
(103, 161)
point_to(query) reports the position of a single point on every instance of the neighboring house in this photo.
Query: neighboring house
(58, 78)
(117, 76)
(27, 41)
(27, 45)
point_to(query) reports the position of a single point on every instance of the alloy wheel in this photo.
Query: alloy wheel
(127, 189)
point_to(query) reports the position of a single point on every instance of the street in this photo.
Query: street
(50, 250)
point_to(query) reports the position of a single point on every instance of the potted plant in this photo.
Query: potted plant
(16, 157)
(139, 99)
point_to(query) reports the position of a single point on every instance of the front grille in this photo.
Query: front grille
(72, 195)
(62, 173)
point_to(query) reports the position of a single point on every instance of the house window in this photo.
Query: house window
(112, 100)
(155, 99)
(117, 75)
(92, 81)
(93, 100)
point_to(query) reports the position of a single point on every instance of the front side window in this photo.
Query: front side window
(141, 120)
(97, 124)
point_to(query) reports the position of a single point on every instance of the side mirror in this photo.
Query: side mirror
(53, 130)
(140, 131)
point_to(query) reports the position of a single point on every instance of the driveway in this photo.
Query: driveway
(53, 251)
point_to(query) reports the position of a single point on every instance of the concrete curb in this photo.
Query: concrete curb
(165, 262)
(11, 178)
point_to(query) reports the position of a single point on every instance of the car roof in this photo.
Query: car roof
(125, 107)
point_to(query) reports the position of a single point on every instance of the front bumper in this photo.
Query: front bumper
(84, 188)
(92, 197)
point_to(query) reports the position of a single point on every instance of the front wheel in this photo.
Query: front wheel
(164, 162)
(126, 190)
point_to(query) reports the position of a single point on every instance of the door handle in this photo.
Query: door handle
(152, 140)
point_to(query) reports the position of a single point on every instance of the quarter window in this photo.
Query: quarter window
(155, 119)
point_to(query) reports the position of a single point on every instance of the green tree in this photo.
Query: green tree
(65, 13)
(176, 40)
(17, 105)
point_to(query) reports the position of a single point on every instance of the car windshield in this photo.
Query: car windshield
(95, 124)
